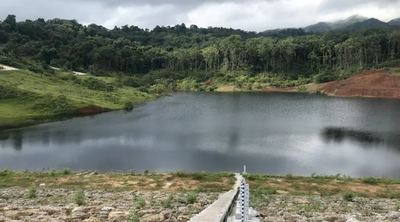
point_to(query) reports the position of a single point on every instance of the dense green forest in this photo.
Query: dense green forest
(188, 57)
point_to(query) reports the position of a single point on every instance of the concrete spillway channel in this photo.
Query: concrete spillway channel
(221, 208)
(225, 208)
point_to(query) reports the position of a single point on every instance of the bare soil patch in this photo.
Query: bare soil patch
(380, 83)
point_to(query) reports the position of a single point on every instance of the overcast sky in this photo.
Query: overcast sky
(251, 15)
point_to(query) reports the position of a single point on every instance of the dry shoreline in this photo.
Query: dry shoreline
(378, 83)
(178, 196)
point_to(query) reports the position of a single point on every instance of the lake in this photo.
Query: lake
(270, 133)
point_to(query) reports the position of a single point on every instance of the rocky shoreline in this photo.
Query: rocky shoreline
(57, 205)
(280, 208)
(101, 205)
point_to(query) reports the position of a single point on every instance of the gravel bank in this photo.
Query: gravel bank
(100, 205)
(277, 208)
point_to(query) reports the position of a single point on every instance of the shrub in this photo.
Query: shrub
(35, 69)
(8, 92)
(197, 176)
(194, 176)
(289, 176)
(324, 76)
(53, 173)
(159, 89)
(391, 195)
(79, 197)
(146, 172)
(5, 172)
(258, 85)
(191, 198)
(54, 105)
(181, 174)
(264, 191)
(225, 174)
(211, 88)
(348, 196)
(132, 172)
(132, 82)
(99, 85)
(140, 202)
(303, 89)
(31, 193)
(198, 189)
(168, 202)
(188, 84)
(254, 176)
(143, 89)
(133, 216)
(67, 171)
(396, 70)
(128, 106)
(370, 180)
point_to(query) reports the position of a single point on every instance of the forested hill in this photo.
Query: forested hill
(172, 53)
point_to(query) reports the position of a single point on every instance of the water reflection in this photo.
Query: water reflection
(4, 136)
(368, 139)
(270, 132)
(17, 141)
(341, 134)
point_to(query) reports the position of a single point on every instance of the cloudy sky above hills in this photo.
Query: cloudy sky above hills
(251, 15)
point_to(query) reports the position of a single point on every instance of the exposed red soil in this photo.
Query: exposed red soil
(374, 83)
(91, 110)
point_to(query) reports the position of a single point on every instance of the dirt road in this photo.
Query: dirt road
(6, 68)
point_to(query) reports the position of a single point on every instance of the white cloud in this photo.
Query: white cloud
(251, 15)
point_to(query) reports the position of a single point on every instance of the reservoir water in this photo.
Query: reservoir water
(270, 133)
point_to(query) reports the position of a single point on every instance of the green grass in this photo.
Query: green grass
(191, 198)
(205, 176)
(168, 203)
(39, 89)
(314, 206)
(139, 202)
(349, 196)
(370, 180)
(79, 197)
(94, 180)
(394, 71)
(31, 193)
(133, 216)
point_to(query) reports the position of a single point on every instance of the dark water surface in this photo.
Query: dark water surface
(274, 133)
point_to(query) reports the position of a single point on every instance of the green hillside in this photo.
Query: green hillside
(353, 23)
(395, 22)
(320, 27)
(341, 24)
(368, 24)
(27, 98)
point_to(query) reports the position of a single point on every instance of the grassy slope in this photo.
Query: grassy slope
(324, 185)
(19, 111)
(215, 182)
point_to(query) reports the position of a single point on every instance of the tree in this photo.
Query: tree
(10, 23)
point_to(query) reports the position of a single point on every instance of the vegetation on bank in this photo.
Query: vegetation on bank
(336, 185)
(178, 181)
(193, 58)
(128, 65)
(28, 98)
